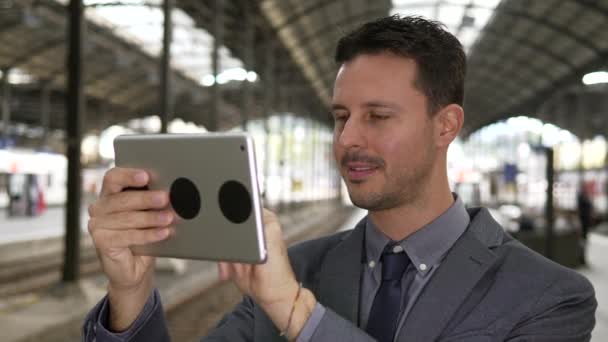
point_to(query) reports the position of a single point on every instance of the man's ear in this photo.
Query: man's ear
(448, 123)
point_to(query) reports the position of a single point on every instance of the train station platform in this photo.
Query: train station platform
(57, 315)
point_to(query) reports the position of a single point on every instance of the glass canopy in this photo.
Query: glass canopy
(464, 18)
(141, 22)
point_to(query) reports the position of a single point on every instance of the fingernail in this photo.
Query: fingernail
(140, 177)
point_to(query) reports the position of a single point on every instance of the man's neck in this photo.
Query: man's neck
(400, 222)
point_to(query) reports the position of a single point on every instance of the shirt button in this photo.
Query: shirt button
(423, 267)
(397, 249)
(372, 264)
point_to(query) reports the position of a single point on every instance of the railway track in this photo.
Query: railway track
(40, 271)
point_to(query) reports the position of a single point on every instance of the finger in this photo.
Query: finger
(105, 238)
(272, 227)
(224, 270)
(118, 178)
(132, 220)
(241, 270)
(129, 201)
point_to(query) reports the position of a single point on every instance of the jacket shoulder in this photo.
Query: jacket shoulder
(517, 258)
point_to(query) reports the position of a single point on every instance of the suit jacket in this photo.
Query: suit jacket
(489, 287)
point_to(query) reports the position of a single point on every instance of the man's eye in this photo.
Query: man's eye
(339, 118)
(377, 116)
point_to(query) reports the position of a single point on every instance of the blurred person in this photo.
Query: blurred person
(585, 210)
(419, 267)
(585, 216)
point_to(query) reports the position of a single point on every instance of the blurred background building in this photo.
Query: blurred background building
(76, 74)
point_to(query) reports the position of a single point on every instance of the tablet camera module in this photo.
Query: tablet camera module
(185, 198)
(235, 201)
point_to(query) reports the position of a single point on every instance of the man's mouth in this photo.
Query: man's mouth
(357, 172)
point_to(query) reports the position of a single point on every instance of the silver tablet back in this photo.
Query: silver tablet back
(212, 183)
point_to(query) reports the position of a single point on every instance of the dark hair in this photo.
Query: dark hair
(439, 57)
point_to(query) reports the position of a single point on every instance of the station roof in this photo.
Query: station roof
(524, 57)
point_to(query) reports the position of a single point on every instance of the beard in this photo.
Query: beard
(400, 188)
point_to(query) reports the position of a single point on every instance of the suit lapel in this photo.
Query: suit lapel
(339, 278)
(462, 268)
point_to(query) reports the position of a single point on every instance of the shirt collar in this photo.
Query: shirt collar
(427, 246)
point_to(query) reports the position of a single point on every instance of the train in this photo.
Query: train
(31, 181)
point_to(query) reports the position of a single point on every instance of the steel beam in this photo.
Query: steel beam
(165, 68)
(6, 103)
(36, 51)
(45, 110)
(248, 63)
(75, 113)
(580, 40)
(218, 41)
(549, 213)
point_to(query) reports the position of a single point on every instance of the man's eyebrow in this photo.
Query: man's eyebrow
(381, 104)
(337, 106)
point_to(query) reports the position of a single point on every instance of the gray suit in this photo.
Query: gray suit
(488, 288)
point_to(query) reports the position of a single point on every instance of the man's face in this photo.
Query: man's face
(383, 135)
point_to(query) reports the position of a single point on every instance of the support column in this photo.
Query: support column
(606, 186)
(218, 41)
(166, 98)
(282, 161)
(75, 113)
(45, 111)
(248, 62)
(549, 214)
(5, 106)
(317, 162)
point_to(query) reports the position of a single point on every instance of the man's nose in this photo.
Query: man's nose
(352, 134)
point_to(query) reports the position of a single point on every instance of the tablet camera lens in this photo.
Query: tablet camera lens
(235, 201)
(185, 198)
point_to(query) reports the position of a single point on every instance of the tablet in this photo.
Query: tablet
(212, 183)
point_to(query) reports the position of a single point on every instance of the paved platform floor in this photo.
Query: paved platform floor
(51, 223)
(597, 272)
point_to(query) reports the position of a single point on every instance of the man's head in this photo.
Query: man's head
(439, 57)
(397, 105)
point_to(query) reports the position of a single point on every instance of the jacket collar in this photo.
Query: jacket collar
(340, 275)
(464, 265)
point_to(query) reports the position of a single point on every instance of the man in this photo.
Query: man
(419, 267)
(585, 216)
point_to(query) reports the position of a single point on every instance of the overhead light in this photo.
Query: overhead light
(595, 77)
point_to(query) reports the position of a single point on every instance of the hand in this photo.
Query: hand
(119, 219)
(272, 285)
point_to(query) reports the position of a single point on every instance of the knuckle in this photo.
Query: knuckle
(97, 240)
(150, 235)
(122, 201)
(107, 177)
(150, 219)
(133, 237)
(91, 226)
(114, 239)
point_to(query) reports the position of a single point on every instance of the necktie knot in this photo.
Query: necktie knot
(394, 264)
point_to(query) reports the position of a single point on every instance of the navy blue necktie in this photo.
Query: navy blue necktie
(383, 316)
